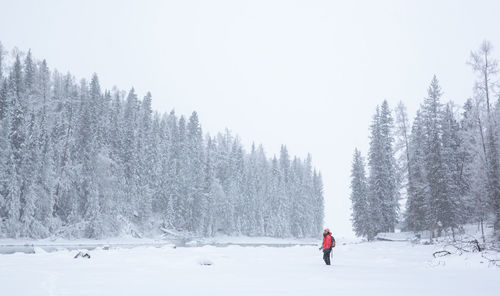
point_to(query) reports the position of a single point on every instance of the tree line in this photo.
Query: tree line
(77, 161)
(446, 162)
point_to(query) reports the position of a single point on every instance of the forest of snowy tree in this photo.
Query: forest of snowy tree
(76, 161)
(446, 163)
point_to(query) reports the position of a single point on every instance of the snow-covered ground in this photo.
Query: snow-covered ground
(377, 268)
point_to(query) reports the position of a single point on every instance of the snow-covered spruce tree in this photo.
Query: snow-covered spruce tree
(434, 163)
(284, 203)
(360, 217)
(401, 146)
(17, 135)
(5, 154)
(226, 222)
(29, 150)
(145, 159)
(88, 149)
(308, 198)
(237, 181)
(262, 176)
(4, 143)
(452, 206)
(197, 201)
(375, 189)
(4, 103)
(318, 211)
(212, 190)
(4, 169)
(182, 210)
(170, 169)
(45, 167)
(383, 194)
(65, 101)
(391, 204)
(252, 196)
(275, 191)
(418, 191)
(298, 207)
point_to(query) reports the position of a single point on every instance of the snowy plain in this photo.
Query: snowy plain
(375, 268)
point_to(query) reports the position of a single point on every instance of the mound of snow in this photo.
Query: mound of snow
(205, 261)
(192, 243)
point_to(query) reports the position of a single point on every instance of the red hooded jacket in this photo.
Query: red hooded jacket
(328, 241)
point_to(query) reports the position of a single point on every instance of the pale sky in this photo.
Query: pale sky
(307, 74)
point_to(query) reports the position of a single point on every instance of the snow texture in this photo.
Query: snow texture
(376, 268)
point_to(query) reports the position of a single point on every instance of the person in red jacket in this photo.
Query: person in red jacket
(328, 244)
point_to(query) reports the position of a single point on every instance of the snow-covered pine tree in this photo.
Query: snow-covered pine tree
(44, 168)
(375, 190)
(170, 167)
(88, 154)
(4, 103)
(17, 135)
(297, 207)
(183, 210)
(212, 191)
(318, 212)
(261, 199)
(145, 159)
(417, 188)
(29, 150)
(308, 198)
(452, 205)
(284, 203)
(382, 181)
(236, 188)
(250, 192)
(391, 202)
(401, 147)
(434, 164)
(277, 192)
(197, 201)
(360, 216)
(5, 156)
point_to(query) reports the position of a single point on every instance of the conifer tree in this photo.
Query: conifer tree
(360, 217)
(418, 190)
(382, 182)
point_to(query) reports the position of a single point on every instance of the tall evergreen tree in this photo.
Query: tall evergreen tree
(434, 163)
(453, 204)
(382, 181)
(361, 219)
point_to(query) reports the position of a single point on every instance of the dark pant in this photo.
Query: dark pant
(326, 256)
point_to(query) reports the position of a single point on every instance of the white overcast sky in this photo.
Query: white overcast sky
(307, 74)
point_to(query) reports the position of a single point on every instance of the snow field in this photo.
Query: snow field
(379, 268)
